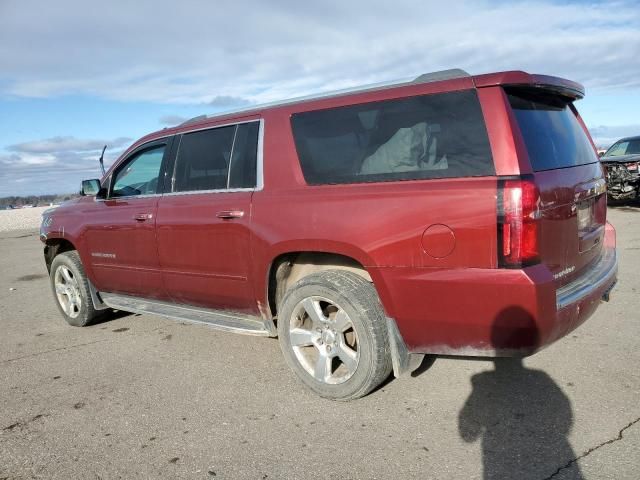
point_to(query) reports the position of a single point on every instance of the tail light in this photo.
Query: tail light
(518, 219)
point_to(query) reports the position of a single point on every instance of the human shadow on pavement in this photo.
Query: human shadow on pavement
(520, 414)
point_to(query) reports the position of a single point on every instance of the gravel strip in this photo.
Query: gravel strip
(21, 219)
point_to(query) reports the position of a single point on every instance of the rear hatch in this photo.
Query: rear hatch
(570, 180)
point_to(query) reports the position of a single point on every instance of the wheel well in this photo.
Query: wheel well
(288, 268)
(54, 247)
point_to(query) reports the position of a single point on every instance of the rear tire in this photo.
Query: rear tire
(71, 289)
(333, 334)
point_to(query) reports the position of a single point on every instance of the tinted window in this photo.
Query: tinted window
(139, 176)
(203, 159)
(429, 136)
(244, 159)
(552, 133)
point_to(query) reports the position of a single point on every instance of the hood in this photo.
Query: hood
(635, 157)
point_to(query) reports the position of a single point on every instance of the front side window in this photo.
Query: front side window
(422, 137)
(139, 176)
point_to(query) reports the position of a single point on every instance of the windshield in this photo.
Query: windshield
(624, 147)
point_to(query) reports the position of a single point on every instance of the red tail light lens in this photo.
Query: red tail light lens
(518, 218)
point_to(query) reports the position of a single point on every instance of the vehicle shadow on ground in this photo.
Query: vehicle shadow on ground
(624, 205)
(520, 415)
(110, 315)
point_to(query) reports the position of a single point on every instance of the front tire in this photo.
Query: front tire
(333, 334)
(71, 289)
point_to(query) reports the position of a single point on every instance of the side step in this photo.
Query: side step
(229, 322)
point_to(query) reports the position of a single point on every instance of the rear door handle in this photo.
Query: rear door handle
(143, 217)
(230, 214)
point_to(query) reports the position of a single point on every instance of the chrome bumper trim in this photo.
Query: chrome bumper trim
(602, 272)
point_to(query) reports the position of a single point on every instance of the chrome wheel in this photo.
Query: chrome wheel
(324, 340)
(67, 291)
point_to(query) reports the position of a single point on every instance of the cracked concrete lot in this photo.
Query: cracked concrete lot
(144, 397)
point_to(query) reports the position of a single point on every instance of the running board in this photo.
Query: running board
(229, 322)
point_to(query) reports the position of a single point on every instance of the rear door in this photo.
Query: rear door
(203, 221)
(570, 179)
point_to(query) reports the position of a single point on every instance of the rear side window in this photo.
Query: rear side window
(244, 158)
(552, 133)
(217, 159)
(203, 160)
(428, 136)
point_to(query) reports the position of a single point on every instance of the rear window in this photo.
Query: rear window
(428, 136)
(552, 134)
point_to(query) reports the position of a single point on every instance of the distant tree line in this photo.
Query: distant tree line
(34, 200)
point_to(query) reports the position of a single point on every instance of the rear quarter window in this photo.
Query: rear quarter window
(552, 133)
(422, 137)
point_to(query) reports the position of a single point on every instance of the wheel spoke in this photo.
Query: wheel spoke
(312, 307)
(301, 337)
(348, 356)
(342, 321)
(61, 289)
(66, 305)
(322, 369)
(66, 275)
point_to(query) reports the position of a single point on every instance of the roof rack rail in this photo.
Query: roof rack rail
(424, 78)
(441, 75)
(193, 120)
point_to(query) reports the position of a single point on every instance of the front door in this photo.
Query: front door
(121, 236)
(203, 222)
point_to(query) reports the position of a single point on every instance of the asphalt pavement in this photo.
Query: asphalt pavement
(145, 397)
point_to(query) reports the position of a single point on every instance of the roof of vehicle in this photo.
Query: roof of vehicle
(627, 139)
(514, 78)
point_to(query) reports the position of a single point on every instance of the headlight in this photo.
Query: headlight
(47, 221)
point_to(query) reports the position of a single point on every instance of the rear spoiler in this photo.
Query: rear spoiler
(518, 79)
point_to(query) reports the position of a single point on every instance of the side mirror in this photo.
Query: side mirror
(90, 188)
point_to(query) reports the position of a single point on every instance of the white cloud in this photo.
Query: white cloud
(227, 101)
(171, 120)
(605, 135)
(193, 52)
(66, 144)
(54, 165)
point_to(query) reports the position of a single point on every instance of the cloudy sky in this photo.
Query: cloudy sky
(75, 75)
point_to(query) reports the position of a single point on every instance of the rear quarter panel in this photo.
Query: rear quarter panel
(379, 224)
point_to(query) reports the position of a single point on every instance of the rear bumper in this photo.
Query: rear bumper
(600, 278)
(492, 312)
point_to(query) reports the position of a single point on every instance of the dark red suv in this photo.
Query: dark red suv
(452, 214)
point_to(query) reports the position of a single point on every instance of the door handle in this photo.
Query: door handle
(230, 214)
(143, 217)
